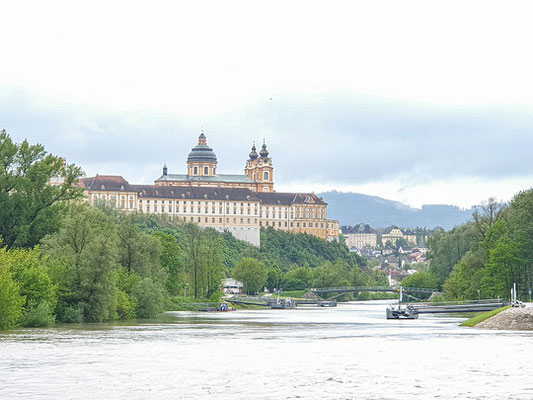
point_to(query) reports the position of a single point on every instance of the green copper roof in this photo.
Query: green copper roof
(217, 178)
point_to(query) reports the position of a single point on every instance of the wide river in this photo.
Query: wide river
(347, 352)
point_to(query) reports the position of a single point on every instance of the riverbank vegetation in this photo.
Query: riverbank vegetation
(63, 260)
(486, 256)
(480, 317)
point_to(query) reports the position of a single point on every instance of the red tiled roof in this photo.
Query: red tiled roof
(106, 182)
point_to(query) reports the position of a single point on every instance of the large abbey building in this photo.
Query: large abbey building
(240, 204)
(202, 171)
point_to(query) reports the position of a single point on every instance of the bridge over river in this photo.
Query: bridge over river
(414, 310)
(356, 289)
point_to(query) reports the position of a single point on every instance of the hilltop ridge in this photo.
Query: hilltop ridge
(353, 208)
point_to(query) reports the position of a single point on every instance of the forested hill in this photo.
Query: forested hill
(354, 208)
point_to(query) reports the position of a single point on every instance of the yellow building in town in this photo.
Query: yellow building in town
(393, 233)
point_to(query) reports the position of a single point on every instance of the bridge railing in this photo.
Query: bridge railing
(372, 288)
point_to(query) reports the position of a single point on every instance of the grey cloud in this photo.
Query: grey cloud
(335, 138)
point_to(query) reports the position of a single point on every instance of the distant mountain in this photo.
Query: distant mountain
(354, 208)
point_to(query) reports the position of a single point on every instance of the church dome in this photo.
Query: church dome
(253, 153)
(202, 152)
(264, 152)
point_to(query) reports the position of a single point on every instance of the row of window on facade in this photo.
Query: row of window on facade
(196, 170)
(203, 207)
(265, 176)
(215, 220)
(206, 171)
(161, 207)
(279, 224)
(113, 199)
(197, 207)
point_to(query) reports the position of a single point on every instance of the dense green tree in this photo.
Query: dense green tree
(297, 278)
(464, 282)
(498, 252)
(361, 277)
(38, 316)
(138, 251)
(503, 264)
(448, 248)
(150, 297)
(235, 249)
(252, 273)
(212, 256)
(193, 239)
(330, 274)
(80, 227)
(171, 259)
(97, 287)
(420, 280)
(280, 248)
(375, 278)
(487, 214)
(126, 305)
(520, 222)
(86, 246)
(280, 251)
(31, 272)
(274, 278)
(126, 302)
(203, 251)
(11, 302)
(30, 208)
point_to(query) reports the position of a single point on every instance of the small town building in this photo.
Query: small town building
(232, 286)
(359, 236)
(391, 234)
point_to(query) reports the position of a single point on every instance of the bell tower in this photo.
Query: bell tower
(260, 169)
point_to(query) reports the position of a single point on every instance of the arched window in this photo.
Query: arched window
(265, 176)
(265, 189)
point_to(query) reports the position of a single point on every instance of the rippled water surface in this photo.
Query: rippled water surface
(347, 352)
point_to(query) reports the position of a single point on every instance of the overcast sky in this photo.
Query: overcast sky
(421, 102)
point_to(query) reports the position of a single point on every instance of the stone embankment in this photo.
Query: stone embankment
(514, 318)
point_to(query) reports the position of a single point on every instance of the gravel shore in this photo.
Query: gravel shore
(513, 319)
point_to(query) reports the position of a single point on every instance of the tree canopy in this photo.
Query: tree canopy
(29, 206)
(252, 273)
(485, 257)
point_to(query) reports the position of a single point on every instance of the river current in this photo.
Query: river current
(347, 352)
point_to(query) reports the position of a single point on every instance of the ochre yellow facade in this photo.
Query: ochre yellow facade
(240, 204)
